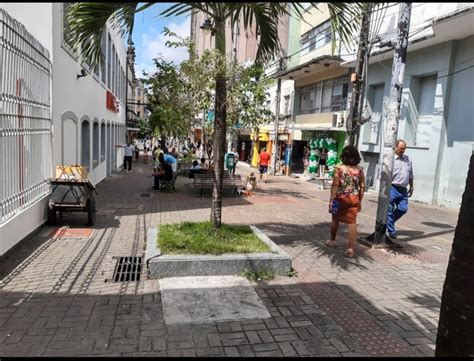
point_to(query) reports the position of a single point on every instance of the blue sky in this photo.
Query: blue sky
(149, 40)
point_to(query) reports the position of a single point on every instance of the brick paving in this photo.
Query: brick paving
(57, 297)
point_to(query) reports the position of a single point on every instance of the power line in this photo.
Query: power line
(455, 72)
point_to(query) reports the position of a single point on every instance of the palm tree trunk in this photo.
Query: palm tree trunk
(456, 320)
(219, 127)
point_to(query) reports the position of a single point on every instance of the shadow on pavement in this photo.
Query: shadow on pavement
(316, 319)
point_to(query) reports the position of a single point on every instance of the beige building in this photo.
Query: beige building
(241, 44)
(321, 85)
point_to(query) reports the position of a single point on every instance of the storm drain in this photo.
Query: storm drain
(145, 195)
(127, 269)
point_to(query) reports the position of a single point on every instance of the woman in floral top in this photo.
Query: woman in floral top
(347, 189)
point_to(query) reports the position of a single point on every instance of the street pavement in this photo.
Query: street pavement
(57, 296)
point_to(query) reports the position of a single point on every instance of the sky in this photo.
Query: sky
(149, 40)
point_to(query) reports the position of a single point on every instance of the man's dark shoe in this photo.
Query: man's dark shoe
(392, 236)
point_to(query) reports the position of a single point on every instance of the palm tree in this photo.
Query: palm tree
(87, 22)
(456, 321)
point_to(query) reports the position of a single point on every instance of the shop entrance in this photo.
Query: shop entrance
(297, 156)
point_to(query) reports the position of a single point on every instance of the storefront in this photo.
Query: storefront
(260, 140)
(317, 140)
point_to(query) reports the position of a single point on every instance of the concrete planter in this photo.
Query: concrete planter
(160, 266)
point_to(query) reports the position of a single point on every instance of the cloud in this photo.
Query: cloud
(154, 45)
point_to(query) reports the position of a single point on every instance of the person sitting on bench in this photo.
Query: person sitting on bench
(196, 168)
(165, 172)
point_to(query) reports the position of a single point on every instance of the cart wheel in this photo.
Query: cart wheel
(51, 216)
(91, 211)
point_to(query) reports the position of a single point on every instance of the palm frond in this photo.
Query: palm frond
(346, 21)
(87, 22)
(265, 16)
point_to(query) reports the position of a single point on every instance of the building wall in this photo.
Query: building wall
(72, 100)
(440, 160)
(83, 99)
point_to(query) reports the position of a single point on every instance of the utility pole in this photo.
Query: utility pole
(277, 119)
(390, 117)
(355, 110)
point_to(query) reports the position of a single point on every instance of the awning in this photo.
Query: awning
(316, 65)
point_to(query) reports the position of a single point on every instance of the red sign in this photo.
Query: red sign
(111, 102)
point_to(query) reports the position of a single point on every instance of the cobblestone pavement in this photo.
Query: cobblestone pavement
(57, 297)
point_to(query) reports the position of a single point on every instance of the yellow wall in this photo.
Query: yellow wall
(314, 17)
(317, 119)
(314, 78)
(323, 50)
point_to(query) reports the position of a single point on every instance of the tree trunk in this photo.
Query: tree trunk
(219, 128)
(456, 320)
(391, 115)
(277, 118)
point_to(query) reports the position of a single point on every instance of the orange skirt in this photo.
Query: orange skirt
(348, 208)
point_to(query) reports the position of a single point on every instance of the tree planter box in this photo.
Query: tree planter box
(160, 266)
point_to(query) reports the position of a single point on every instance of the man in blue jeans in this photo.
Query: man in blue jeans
(402, 178)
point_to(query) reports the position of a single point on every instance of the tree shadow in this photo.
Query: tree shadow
(311, 239)
(321, 319)
(438, 225)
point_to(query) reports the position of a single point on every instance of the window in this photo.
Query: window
(116, 74)
(371, 130)
(287, 105)
(427, 96)
(114, 79)
(85, 145)
(316, 37)
(109, 63)
(325, 96)
(95, 145)
(66, 28)
(103, 55)
(102, 142)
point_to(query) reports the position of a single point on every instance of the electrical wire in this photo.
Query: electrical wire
(413, 31)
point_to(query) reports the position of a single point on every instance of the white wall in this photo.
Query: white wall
(83, 97)
(440, 167)
(72, 99)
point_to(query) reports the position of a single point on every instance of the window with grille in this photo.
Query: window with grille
(324, 96)
(66, 29)
(103, 56)
(316, 37)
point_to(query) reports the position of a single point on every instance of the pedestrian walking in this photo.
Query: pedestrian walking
(263, 160)
(128, 155)
(347, 191)
(145, 155)
(402, 177)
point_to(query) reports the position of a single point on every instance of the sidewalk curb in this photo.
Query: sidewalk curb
(160, 266)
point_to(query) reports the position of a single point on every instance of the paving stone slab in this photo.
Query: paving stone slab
(210, 299)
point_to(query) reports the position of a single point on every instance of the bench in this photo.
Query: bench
(164, 184)
(206, 181)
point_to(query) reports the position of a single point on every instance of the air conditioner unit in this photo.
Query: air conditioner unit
(339, 119)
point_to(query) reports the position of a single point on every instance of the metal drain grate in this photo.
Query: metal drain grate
(127, 269)
(145, 195)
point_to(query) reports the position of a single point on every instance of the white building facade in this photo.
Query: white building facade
(84, 120)
(437, 110)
